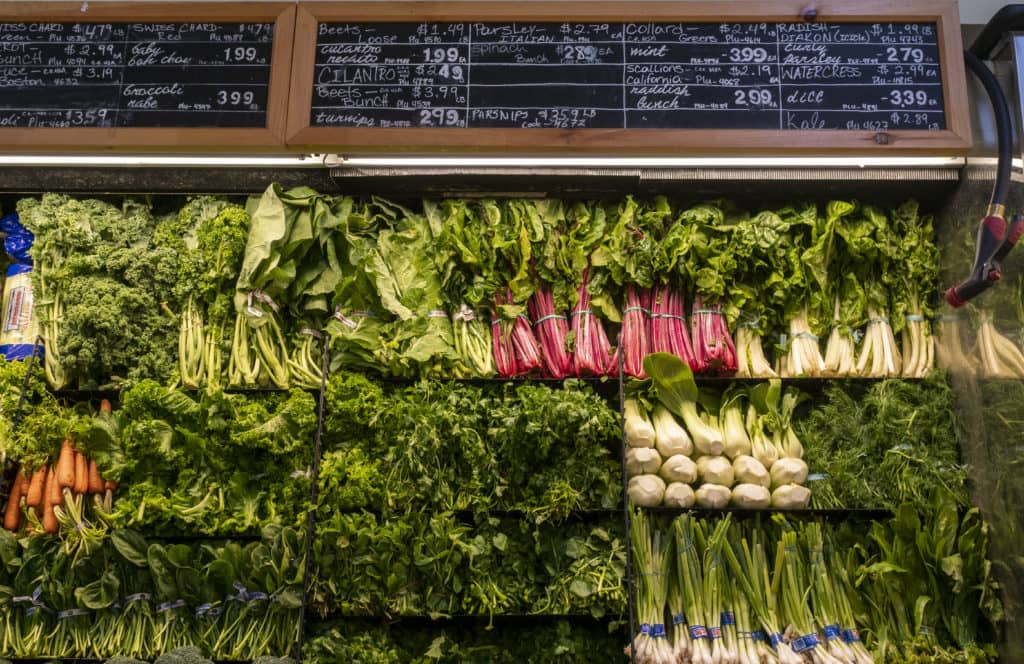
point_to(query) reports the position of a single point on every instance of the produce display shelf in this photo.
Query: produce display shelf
(504, 618)
(604, 385)
(578, 515)
(75, 394)
(90, 660)
(856, 514)
(185, 539)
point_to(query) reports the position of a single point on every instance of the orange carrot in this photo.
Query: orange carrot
(110, 485)
(95, 481)
(34, 497)
(50, 523)
(54, 491)
(12, 515)
(66, 464)
(105, 406)
(23, 477)
(81, 473)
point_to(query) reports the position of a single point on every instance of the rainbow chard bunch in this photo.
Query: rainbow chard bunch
(570, 262)
(696, 249)
(629, 253)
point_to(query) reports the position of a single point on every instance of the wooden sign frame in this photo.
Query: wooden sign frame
(954, 140)
(269, 138)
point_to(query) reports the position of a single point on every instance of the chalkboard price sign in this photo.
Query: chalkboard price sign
(596, 75)
(782, 76)
(167, 75)
(134, 74)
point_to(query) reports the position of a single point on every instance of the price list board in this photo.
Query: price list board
(759, 77)
(202, 75)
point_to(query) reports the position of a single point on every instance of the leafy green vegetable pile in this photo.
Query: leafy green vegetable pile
(100, 283)
(884, 444)
(443, 565)
(542, 642)
(216, 294)
(410, 474)
(205, 462)
(448, 446)
(138, 598)
(926, 585)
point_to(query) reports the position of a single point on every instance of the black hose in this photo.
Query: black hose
(1004, 130)
(1007, 19)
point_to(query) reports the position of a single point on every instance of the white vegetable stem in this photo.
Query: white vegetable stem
(803, 357)
(670, 437)
(840, 352)
(949, 347)
(879, 356)
(642, 460)
(678, 468)
(748, 470)
(646, 490)
(750, 359)
(706, 438)
(761, 447)
(736, 442)
(639, 431)
(918, 347)
(715, 470)
(1000, 358)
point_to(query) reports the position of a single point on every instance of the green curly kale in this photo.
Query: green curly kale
(101, 285)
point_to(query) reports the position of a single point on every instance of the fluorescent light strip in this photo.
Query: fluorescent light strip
(311, 161)
(643, 162)
(321, 161)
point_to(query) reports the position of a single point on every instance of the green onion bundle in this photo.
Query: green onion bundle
(652, 550)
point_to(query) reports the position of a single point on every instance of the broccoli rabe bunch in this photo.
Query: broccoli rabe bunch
(207, 240)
